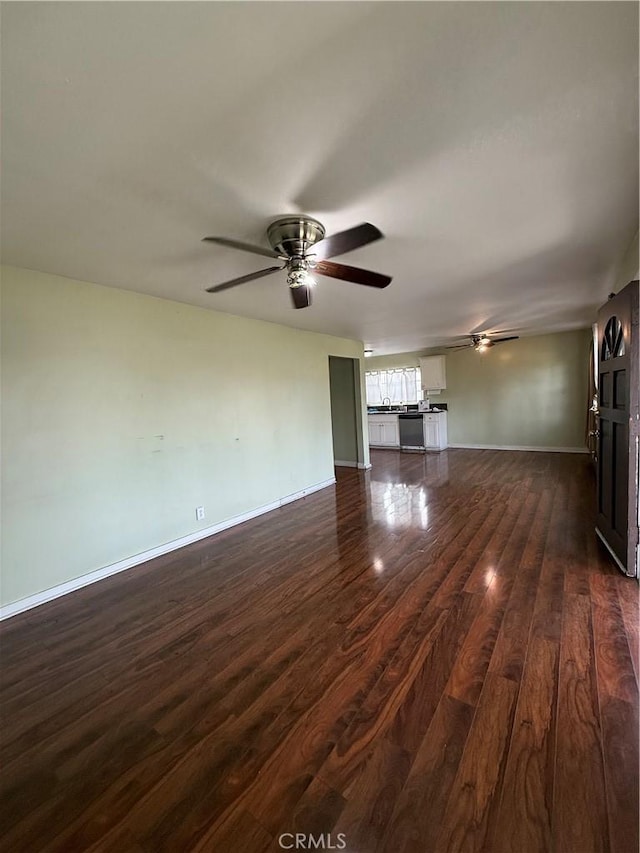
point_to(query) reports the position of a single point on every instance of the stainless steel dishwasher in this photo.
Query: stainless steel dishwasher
(411, 427)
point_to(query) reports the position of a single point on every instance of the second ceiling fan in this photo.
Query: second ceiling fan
(300, 243)
(481, 342)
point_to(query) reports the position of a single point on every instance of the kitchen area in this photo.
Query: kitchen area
(413, 427)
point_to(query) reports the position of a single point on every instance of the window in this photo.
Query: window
(401, 385)
(612, 340)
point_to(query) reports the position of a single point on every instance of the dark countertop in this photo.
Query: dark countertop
(404, 412)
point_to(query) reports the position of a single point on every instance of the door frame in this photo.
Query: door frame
(355, 411)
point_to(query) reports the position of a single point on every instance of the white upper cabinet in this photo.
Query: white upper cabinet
(433, 373)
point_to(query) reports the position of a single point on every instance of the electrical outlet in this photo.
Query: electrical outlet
(199, 513)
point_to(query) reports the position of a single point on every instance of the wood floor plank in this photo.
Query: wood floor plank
(614, 665)
(475, 792)
(433, 655)
(317, 811)
(307, 747)
(580, 823)
(477, 549)
(621, 754)
(123, 841)
(416, 819)
(524, 819)
(377, 712)
(255, 838)
(513, 639)
(223, 761)
(576, 545)
(414, 715)
(548, 607)
(629, 600)
(371, 795)
(470, 668)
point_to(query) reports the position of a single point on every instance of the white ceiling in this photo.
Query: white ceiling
(495, 145)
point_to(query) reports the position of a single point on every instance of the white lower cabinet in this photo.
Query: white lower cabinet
(390, 435)
(383, 431)
(435, 431)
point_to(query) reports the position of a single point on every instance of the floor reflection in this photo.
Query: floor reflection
(402, 489)
(400, 493)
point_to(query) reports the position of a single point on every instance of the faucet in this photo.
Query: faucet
(388, 403)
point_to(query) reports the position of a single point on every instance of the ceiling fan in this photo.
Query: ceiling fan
(300, 242)
(482, 341)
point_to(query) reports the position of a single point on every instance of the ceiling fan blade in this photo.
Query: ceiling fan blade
(460, 346)
(501, 340)
(234, 282)
(301, 296)
(346, 241)
(246, 247)
(354, 274)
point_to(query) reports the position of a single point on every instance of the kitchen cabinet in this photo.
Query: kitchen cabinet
(433, 375)
(435, 431)
(383, 431)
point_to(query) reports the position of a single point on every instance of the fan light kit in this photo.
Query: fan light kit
(300, 242)
(298, 275)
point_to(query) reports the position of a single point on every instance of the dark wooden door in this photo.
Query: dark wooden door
(618, 420)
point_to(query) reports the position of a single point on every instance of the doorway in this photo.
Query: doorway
(346, 412)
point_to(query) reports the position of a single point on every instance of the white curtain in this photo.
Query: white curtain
(399, 386)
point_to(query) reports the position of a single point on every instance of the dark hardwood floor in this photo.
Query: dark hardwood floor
(433, 656)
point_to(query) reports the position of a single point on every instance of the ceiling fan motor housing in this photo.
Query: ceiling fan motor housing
(292, 236)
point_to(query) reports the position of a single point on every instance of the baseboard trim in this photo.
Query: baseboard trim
(339, 463)
(519, 447)
(58, 591)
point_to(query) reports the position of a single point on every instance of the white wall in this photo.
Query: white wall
(121, 413)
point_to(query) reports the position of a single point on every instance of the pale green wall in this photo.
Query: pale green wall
(526, 393)
(343, 414)
(122, 413)
(400, 359)
(629, 264)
